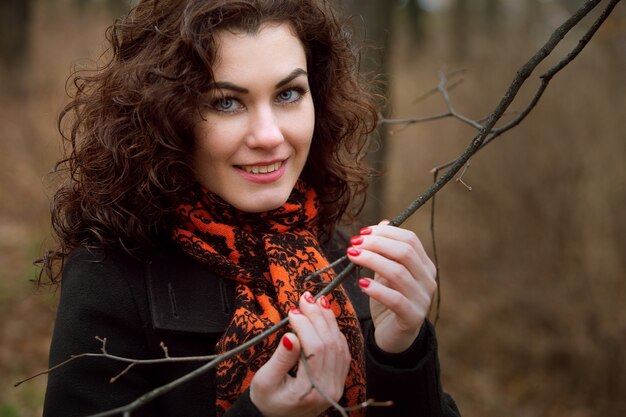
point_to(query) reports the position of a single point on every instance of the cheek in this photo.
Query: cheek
(303, 127)
(204, 151)
(209, 143)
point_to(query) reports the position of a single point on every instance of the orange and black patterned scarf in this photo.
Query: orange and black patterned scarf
(269, 255)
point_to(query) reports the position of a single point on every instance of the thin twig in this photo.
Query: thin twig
(416, 120)
(443, 80)
(434, 90)
(460, 177)
(445, 93)
(130, 361)
(121, 374)
(369, 403)
(333, 403)
(326, 268)
(435, 254)
(341, 409)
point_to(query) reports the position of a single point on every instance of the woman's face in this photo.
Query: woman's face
(255, 137)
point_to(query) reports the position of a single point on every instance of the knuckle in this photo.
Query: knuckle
(414, 241)
(344, 349)
(347, 358)
(430, 264)
(396, 300)
(396, 272)
(432, 268)
(261, 385)
(315, 348)
(332, 344)
(432, 289)
(431, 282)
(343, 341)
(405, 252)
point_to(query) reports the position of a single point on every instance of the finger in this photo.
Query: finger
(313, 310)
(323, 319)
(315, 332)
(398, 251)
(338, 341)
(325, 364)
(399, 234)
(328, 313)
(285, 357)
(396, 276)
(322, 342)
(408, 313)
(310, 340)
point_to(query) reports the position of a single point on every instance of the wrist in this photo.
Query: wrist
(408, 357)
(399, 343)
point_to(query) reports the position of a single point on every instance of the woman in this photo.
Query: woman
(210, 162)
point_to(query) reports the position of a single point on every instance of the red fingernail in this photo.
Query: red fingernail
(352, 251)
(294, 310)
(309, 298)
(356, 240)
(287, 343)
(366, 231)
(364, 282)
(324, 302)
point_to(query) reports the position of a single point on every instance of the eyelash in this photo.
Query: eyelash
(298, 90)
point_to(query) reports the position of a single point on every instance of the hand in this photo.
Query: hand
(403, 286)
(276, 393)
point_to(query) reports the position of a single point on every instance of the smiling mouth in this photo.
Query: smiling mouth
(261, 169)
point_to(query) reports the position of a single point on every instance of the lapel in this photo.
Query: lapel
(185, 296)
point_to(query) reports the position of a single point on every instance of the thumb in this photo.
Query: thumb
(267, 387)
(285, 357)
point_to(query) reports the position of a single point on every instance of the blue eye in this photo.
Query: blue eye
(290, 95)
(226, 104)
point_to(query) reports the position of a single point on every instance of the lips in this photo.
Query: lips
(261, 169)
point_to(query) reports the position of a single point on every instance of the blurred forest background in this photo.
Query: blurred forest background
(533, 259)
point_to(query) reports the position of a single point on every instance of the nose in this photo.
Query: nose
(265, 131)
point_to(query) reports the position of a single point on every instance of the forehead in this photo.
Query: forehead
(273, 49)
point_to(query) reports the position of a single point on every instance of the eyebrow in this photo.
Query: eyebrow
(225, 85)
(292, 75)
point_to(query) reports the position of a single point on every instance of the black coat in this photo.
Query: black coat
(167, 297)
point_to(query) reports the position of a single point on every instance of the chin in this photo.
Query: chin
(259, 204)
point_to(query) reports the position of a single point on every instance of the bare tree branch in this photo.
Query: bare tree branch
(436, 89)
(546, 77)
(522, 75)
(131, 362)
(435, 253)
(444, 90)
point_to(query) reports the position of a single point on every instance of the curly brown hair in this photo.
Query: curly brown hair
(130, 123)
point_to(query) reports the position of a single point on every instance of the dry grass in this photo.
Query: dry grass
(532, 259)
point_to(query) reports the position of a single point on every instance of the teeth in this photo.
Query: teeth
(261, 169)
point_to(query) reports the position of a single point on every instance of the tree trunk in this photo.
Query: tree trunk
(372, 25)
(460, 30)
(14, 44)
